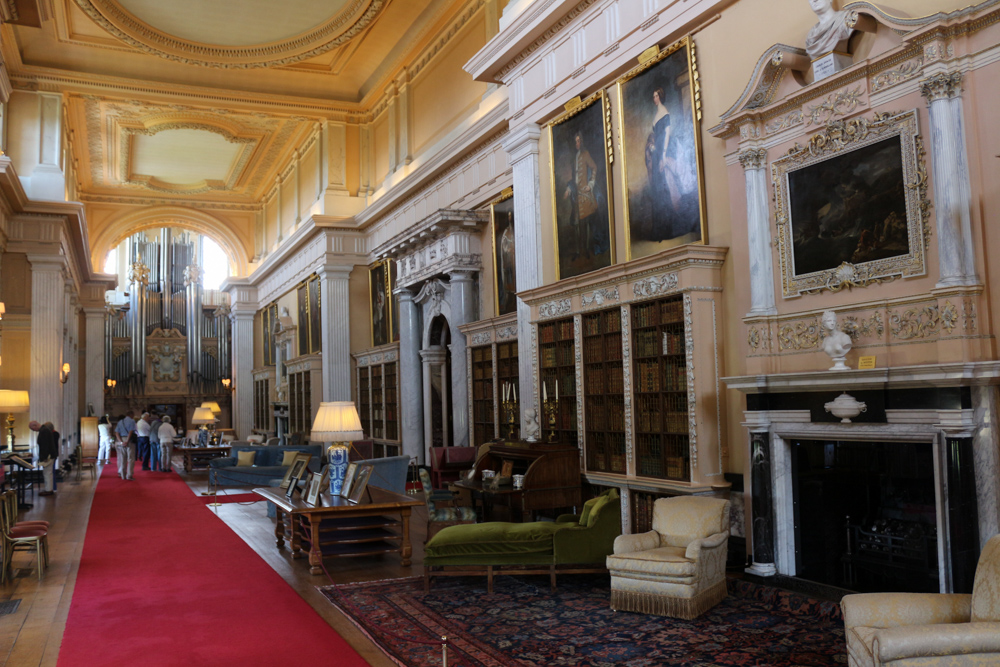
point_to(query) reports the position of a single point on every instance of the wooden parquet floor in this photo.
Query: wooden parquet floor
(31, 635)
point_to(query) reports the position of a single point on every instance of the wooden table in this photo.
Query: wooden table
(343, 528)
(200, 456)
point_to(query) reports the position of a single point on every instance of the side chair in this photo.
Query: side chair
(13, 536)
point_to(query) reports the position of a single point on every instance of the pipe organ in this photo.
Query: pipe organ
(165, 342)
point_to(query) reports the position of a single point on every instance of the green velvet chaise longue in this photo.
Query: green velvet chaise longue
(572, 544)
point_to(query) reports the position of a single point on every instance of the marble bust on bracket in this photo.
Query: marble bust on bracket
(830, 32)
(836, 343)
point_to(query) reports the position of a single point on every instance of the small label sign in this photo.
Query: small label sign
(866, 363)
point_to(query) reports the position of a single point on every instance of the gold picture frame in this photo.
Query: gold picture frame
(659, 119)
(504, 248)
(380, 302)
(575, 136)
(851, 205)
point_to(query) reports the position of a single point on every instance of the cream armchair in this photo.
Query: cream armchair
(928, 629)
(677, 569)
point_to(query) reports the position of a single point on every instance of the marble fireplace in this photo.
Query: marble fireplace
(948, 421)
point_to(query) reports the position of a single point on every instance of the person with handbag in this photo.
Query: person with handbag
(48, 452)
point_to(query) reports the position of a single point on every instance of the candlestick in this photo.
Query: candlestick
(557, 390)
(545, 392)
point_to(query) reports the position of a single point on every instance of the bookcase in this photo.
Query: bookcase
(507, 375)
(557, 377)
(378, 398)
(660, 391)
(604, 391)
(263, 386)
(483, 422)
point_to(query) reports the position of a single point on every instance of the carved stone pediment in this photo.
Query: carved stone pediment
(447, 240)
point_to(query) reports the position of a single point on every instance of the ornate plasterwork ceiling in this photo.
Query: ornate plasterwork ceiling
(257, 33)
(135, 148)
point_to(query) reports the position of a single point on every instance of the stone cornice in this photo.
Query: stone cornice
(930, 375)
(435, 226)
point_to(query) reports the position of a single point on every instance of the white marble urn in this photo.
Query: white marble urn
(846, 407)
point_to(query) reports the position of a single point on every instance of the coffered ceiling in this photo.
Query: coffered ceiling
(205, 98)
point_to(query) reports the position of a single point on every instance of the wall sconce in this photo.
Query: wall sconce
(110, 385)
(227, 383)
(3, 309)
(64, 374)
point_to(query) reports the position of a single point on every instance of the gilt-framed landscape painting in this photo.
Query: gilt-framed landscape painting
(582, 209)
(661, 152)
(851, 205)
(504, 255)
(380, 306)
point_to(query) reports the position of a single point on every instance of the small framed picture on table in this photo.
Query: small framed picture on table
(360, 482)
(312, 492)
(345, 490)
(294, 474)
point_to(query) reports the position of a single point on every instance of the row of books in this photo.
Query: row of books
(599, 323)
(653, 376)
(550, 333)
(658, 312)
(561, 355)
(654, 421)
(607, 380)
(602, 348)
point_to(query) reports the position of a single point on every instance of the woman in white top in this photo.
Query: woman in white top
(106, 439)
(167, 434)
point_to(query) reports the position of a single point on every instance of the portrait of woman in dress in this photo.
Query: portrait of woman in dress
(661, 154)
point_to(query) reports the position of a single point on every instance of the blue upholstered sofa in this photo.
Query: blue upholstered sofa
(266, 465)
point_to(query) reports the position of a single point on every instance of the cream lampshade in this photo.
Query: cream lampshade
(202, 416)
(213, 406)
(337, 422)
(12, 401)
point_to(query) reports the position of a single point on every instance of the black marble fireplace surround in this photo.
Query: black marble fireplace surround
(900, 492)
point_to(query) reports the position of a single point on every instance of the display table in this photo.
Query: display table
(379, 523)
(195, 456)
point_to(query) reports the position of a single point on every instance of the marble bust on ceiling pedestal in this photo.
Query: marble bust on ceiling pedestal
(829, 32)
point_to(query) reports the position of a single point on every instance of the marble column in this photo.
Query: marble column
(952, 192)
(93, 384)
(462, 304)
(433, 362)
(410, 383)
(335, 314)
(521, 146)
(48, 314)
(242, 319)
(762, 504)
(754, 161)
(71, 388)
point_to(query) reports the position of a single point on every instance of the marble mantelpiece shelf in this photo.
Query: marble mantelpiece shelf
(649, 485)
(900, 377)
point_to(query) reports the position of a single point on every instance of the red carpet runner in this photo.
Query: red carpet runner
(163, 581)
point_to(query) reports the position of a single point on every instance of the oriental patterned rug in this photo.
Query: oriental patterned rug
(523, 623)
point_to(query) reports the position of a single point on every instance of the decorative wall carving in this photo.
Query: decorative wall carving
(856, 327)
(904, 72)
(799, 335)
(507, 333)
(916, 322)
(655, 285)
(841, 103)
(482, 338)
(599, 297)
(942, 86)
(969, 315)
(555, 308)
(690, 375)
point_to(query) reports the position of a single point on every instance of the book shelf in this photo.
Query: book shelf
(604, 391)
(390, 380)
(378, 406)
(642, 510)
(483, 424)
(660, 390)
(364, 400)
(557, 351)
(507, 374)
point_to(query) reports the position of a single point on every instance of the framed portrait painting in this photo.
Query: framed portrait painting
(851, 205)
(661, 152)
(582, 188)
(378, 284)
(504, 269)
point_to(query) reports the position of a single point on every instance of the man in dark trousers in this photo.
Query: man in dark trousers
(48, 452)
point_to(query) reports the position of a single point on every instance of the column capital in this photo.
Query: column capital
(461, 275)
(522, 142)
(94, 311)
(404, 293)
(753, 158)
(942, 86)
(46, 262)
(335, 271)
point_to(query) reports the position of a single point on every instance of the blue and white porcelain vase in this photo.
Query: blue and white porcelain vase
(338, 467)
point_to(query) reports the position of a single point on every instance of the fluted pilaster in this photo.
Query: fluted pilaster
(410, 382)
(242, 372)
(754, 161)
(335, 312)
(93, 384)
(47, 321)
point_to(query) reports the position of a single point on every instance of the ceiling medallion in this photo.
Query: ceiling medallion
(349, 21)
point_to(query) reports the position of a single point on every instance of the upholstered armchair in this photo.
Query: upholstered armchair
(441, 517)
(928, 629)
(677, 569)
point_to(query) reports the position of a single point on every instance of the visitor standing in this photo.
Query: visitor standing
(105, 440)
(154, 442)
(125, 435)
(167, 433)
(48, 452)
(142, 429)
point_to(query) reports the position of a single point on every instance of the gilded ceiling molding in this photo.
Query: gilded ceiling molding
(181, 217)
(339, 29)
(208, 204)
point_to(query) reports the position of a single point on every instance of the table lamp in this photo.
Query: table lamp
(202, 417)
(216, 410)
(337, 422)
(12, 401)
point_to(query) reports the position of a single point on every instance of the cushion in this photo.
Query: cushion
(683, 519)
(256, 439)
(289, 458)
(588, 507)
(602, 500)
(495, 538)
(245, 458)
(986, 588)
(666, 561)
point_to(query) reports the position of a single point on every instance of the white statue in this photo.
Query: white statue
(836, 343)
(531, 428)
(829, 31)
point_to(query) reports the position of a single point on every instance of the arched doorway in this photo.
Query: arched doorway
(438, 404)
